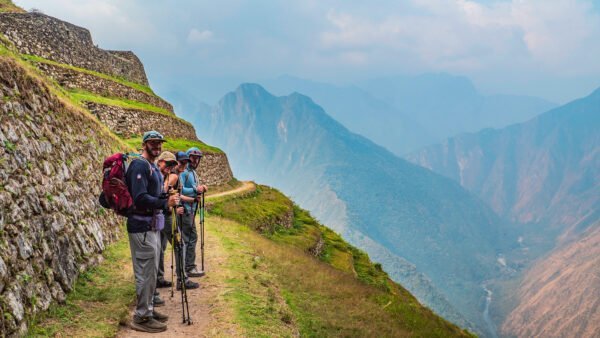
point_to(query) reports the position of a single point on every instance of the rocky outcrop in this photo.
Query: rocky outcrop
(72, 79)
(214, 169)
(131, 122)
(56, 40)
(51, 226)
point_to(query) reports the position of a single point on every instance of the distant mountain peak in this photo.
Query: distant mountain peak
(253, 89)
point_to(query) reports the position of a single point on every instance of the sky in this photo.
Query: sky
(538, 47)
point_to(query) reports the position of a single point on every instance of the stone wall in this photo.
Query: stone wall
(51, 226)
(72, 79)
(131, 122)
(214, 169)
(53, 39)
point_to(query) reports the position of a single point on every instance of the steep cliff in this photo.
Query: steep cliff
(559, 296)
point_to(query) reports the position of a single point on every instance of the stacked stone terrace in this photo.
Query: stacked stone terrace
(110, 84)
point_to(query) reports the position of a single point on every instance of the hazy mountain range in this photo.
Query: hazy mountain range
(538, 181)
(405, 113)
(365, 192)
(544, 174)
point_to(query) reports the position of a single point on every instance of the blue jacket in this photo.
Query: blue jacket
(188, 187)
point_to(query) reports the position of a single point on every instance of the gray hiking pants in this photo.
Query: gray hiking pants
(190, 237)
(165, 237)
(145, 249)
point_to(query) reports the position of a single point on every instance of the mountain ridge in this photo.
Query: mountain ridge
(545, 174)
(366, 181)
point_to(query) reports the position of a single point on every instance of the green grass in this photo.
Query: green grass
(136, 86)
(263, 210)
(81, 95)
(252, 293)
(277, 288)
(99, 301)
(173, 145)
(9, 6)
(321, 308)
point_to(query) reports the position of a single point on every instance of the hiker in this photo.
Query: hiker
(170, 165)
(166, 163)
(191, 191)
(146, 219)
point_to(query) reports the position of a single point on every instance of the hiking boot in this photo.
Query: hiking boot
(147, 324)
(163, 283)
(159, 316)
(193, 272)
(158, 302)
(188, 285)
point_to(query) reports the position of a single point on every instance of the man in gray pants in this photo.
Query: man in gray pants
(191, 190)
(145, 220)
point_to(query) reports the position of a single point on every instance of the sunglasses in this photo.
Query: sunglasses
(171, 163)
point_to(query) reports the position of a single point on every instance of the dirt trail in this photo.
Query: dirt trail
(209, 313)
(246, 186)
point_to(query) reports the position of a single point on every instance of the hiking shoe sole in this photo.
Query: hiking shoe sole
(143, 328)
(195, 274)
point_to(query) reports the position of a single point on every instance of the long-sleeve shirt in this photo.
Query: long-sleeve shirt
(188, 187)
(145, 184)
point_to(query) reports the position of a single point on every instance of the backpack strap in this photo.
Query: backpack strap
(141, 158)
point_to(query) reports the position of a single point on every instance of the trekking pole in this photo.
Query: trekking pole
(185, 308)
(174, 219)
(198, 204)
(202, 230)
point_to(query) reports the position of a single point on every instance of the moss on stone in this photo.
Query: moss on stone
(81, 95)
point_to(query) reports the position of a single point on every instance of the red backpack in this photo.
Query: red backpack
(114, 189)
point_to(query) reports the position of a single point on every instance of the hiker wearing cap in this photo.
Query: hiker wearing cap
(184, 160)
(167, 163)
(173, 165)
(144, 222)
(191, 190)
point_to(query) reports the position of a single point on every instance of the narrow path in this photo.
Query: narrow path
(209, 313)
(245, 187)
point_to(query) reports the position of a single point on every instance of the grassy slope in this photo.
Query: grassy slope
(177, 145)
(122, 81)
(345, 293)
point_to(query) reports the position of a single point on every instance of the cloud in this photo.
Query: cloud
(197, 36)
(508, 45)
(464, 35)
